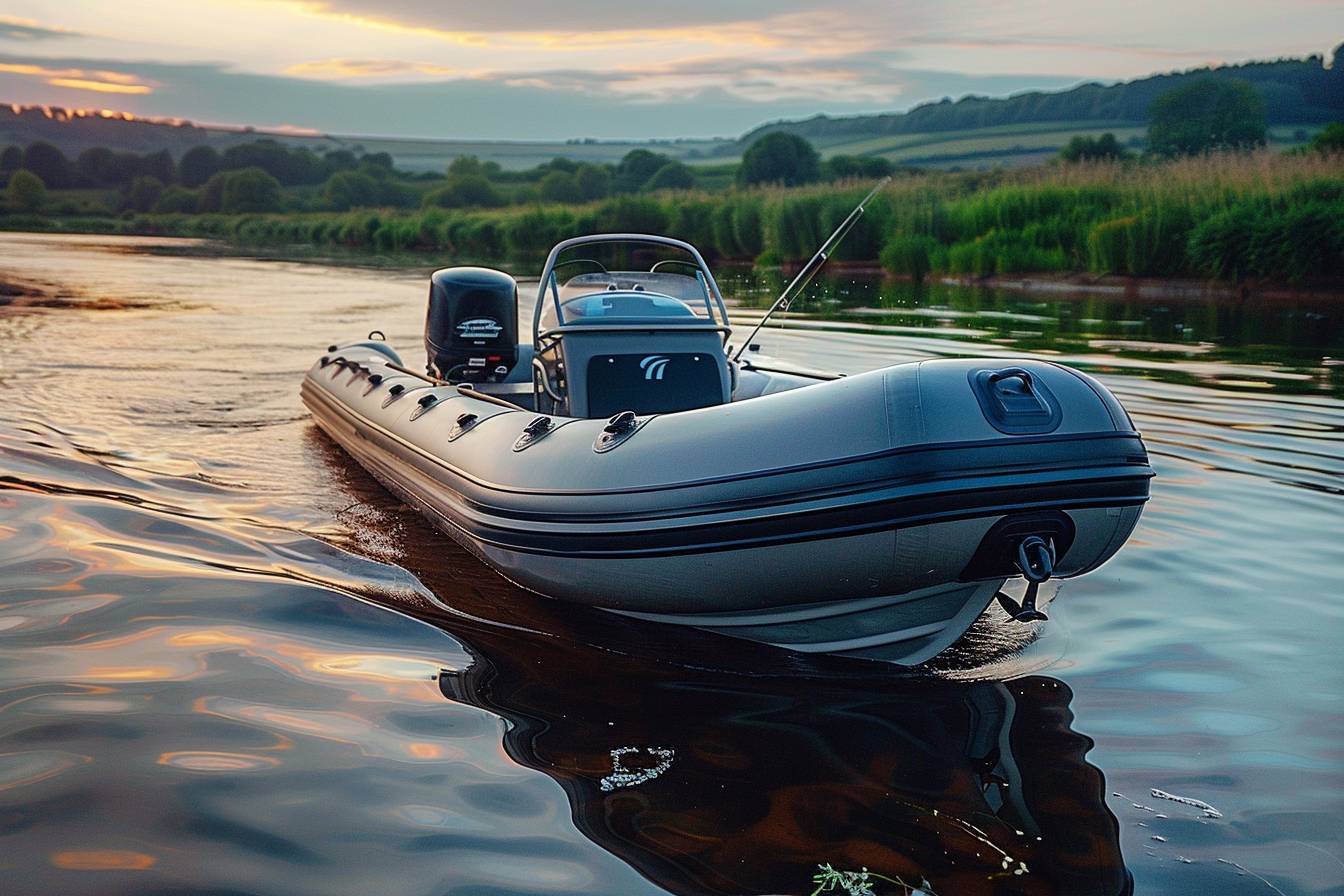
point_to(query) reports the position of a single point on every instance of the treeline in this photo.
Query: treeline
(245, 177)
(103, 167)
(1230, 216)
(268, 176)
(1295, 91)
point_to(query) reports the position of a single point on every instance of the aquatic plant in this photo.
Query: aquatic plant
(860, 883)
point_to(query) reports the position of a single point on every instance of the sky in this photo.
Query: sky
(541, 69)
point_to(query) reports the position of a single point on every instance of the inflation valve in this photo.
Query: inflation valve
(1036, 562)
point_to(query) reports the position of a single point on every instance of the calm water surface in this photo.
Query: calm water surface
(229, 662)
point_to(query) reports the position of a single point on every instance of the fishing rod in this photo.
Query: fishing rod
(804, 277)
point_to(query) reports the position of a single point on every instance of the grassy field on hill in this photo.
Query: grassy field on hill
(1019, 144)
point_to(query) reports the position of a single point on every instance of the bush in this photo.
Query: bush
(672, 176)
(249, 190)
(345, 190)
(594, 182)
(1088, 149)
(1330, 140)
(851, 167)
(560, 186)
(143, 193)
(464, 191)
(26, 192)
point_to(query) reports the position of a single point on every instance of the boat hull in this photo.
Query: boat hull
(866, 552)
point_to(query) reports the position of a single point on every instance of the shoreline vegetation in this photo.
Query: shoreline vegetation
(1231, 217)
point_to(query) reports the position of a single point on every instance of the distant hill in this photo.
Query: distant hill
(1296, 91)
(77, 130)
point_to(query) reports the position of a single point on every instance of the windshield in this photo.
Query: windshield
(602, 278)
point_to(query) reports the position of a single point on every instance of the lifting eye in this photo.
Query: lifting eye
(621, 423)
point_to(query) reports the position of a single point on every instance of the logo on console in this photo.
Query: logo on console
(654, 366)
(479, 328)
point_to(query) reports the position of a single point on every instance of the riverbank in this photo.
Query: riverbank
(1234, 218)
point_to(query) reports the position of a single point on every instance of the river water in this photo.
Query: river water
(230, 663)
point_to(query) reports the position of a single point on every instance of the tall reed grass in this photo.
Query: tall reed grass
(1229, 216)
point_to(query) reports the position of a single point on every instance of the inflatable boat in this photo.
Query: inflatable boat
(624, 457)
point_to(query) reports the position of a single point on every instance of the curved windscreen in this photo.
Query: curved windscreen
(602, 280)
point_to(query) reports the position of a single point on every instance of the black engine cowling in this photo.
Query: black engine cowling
(471, 328)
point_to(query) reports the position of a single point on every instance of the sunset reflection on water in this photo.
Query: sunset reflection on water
(229, 662)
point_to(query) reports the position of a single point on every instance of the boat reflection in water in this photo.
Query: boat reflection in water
(707, 782)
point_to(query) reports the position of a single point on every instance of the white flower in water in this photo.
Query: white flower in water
(625, 777)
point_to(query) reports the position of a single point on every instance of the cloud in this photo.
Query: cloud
(97, 80)
(521, 27)
(515, 16)
(353, 69)
(686, 100)
(28, 30)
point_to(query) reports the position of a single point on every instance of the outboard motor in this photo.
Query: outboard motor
(471, 328)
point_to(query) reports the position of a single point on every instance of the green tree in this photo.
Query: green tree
(465, 165)
(847, 167)
(381, 160)
(95, 165)
(48, 163)
(779, 158)
(123, 168)
(672, 176)
(560, 186)
(287, 166)
(143, 193)
(249, 190)
(1206, 114)
(464, 191)
(1085, 149)
(635, 169)
(351, 189)
(340, 160)
(11, 159)
(198, 165)
(593, 181)
(159, 165)
(26, 192)
(560, 163)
